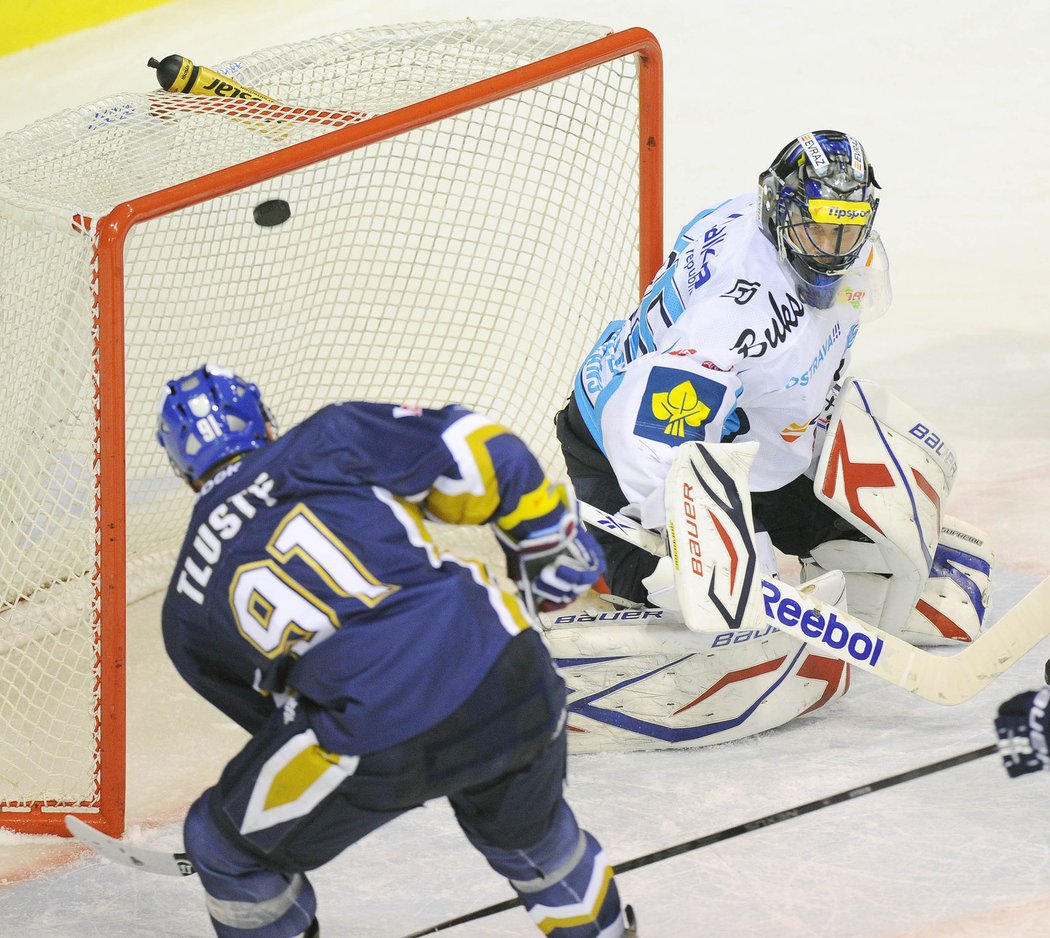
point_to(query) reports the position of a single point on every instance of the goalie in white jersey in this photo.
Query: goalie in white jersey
(745, 335)
(742, 335)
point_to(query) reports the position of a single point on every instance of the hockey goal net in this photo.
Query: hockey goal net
(469, 203)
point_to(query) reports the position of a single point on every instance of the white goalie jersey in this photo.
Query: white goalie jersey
(721, 348)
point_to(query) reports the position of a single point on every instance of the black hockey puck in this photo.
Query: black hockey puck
(271, 213)
(1046, 671)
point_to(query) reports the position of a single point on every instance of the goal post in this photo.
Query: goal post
(468, 204)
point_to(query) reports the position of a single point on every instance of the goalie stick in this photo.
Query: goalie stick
(946, 680)
(177, 864)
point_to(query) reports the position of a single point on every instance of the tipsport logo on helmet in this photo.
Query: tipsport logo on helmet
(789, 614)
(839, 212)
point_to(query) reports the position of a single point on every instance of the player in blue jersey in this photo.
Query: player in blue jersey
(373, 671)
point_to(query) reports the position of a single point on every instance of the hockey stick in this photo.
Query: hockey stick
(770, 819)
(177, 864)
(139, 858)
(946, 680)
(627, 529)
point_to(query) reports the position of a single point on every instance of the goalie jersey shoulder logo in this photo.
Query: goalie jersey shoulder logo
(677, 406)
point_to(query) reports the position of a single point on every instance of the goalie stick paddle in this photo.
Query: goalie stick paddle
(942, 679)
(730, 832)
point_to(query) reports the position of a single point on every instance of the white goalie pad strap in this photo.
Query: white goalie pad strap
(711, 536)
(886, 472)
(828, 587)
(865, 592)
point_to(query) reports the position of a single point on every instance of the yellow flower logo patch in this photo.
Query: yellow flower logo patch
(680, 407)
(677, 405)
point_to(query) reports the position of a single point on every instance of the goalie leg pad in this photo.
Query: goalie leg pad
(734, 684)
(660, 588)
(954, 599)
(881, 474)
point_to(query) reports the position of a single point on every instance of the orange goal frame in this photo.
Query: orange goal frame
(111, 232)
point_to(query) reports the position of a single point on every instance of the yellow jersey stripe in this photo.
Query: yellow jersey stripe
(479, 503)
(541, 501)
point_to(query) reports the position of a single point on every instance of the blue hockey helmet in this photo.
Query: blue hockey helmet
(816, 204)
(208, 416)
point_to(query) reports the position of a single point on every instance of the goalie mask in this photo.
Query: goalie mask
(207, 417)
(817, 206)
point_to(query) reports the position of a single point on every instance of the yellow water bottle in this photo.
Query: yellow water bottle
(178, 73)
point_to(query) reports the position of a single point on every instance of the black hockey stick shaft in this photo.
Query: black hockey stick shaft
(807, 808)
(737, 830)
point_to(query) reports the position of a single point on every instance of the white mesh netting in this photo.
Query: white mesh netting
(472, 259)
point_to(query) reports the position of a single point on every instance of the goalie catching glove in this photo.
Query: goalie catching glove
(553, 568)
(1024, 733)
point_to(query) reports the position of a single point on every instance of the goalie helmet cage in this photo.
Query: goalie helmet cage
(469, 203)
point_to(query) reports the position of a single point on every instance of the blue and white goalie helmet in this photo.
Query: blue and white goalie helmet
(208, 416)
(817, 206)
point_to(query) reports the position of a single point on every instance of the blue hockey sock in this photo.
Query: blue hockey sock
(244, 899)
(565, 881)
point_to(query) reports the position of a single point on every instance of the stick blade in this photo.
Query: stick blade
(151, 861)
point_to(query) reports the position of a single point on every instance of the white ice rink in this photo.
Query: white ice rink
(951, 100)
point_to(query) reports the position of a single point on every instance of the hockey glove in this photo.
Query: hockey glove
(556, 567)
(1024, 733)
(567, 575)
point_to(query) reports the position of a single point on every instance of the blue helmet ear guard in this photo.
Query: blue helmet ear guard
(208, 416)
(817, 205)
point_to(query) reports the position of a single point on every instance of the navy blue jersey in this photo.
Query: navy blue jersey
(307, 569)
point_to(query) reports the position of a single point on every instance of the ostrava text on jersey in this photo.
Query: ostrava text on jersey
(302, 553)
(721, 347)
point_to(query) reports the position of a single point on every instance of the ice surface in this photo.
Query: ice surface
(951, 103)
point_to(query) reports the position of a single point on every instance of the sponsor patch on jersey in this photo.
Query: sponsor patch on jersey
(697, 260)
(793, 431)
(743, 291)
(786, 317)
(677, 405)
(853, 297)
(818, 359)
(706, 363)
